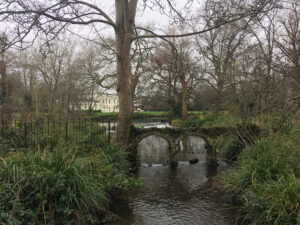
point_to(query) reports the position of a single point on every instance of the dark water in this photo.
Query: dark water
(173, 196)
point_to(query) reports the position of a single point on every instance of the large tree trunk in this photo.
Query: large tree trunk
(133, 84)
(184, 98)
(125, 15)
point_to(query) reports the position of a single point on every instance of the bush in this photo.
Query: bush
(177, 123)
(5, 146)
(274, 202)
(61, 187)
(265, 180)
(260, 163)
(229, 147)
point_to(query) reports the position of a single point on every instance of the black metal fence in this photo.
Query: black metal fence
(51, 131)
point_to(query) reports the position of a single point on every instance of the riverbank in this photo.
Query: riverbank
(139, 115)
(266, 180)
(64, 184)
(264, 185)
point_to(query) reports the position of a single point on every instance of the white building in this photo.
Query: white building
(104, 103)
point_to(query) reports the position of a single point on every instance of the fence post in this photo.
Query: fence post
(92, 139)
(73, 131)
(48, 128)
(2, 128)
(25, 135)
(79, 129)
(54, 130)
(109, 131)
(67, 130)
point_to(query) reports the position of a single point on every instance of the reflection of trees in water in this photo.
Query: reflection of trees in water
(164, 182)
(153, 149)
(211, 172)
(192, 145)
(165, 187)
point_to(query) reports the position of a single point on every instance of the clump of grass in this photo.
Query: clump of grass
(266, 180)
(273, 202)
(61, 187)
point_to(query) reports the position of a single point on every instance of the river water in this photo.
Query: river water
(171, 196)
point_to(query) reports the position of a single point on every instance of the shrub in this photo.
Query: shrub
(177, 123)
(192, 121)
(260, 163)
(5, 146)
(61, 187)
(274, 202)
(265, 180)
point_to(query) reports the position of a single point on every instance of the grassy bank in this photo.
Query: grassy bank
(144, 114)
(266, 180)
(207, 119)
(265, 183)
(61, 184)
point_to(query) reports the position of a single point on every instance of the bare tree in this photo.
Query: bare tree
(289, 45)
(26, 69)
(219, 50)
(53, 16)
(175, 64)
(5, 85)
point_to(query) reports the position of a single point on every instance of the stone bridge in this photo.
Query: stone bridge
(174, 135)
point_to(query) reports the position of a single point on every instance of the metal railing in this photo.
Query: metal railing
(75, 130)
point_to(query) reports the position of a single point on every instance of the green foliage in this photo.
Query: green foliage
(229, 147)
(177, 123)
(210, 120)
(115, 169)
(64, 186)
(274, 202)
(5, 146)
(266, 179)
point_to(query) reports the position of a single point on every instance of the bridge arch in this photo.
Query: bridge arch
(148, 134)
(172, 136)
(153, 148)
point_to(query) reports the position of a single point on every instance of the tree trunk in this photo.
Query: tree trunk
(133, 84)
(123, 88)
(216, 109)
(184, 98)
(125, 15)
(3, 80)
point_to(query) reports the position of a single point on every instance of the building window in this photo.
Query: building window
(108, 101)
(84, 106)
(103, 101)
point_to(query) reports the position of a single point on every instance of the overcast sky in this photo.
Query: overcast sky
(144, 17)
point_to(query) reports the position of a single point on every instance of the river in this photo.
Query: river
(171, 196)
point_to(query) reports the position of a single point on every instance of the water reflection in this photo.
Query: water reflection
(153, 150)
(174, 195)
(191, 147)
